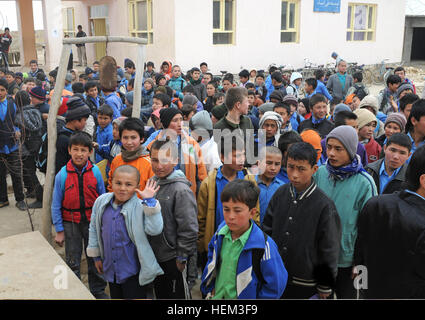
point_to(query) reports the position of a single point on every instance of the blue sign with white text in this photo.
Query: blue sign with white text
(327, 5)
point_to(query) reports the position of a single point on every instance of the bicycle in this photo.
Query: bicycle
(382, 73)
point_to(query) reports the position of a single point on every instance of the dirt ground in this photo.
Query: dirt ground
(13, 221)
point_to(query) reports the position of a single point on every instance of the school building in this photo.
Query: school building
(233, 34)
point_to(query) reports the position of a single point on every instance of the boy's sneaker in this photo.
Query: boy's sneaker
(4, 204)
(35, 205)
(21, 205)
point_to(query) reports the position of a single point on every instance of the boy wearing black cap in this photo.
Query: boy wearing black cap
(76, 118)
(38, 99)
(9, 157)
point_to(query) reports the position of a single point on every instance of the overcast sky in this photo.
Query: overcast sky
(8, 17)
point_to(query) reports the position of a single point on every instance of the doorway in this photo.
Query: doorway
(98, 27)
(418, 44)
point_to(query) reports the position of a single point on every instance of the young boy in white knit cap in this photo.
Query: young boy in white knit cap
(271, 122)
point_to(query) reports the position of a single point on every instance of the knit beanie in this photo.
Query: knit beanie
(201, 120)
(290, 99)
(347, 135)
(313, 138)
(39, 93)
(118, 120)
(349, 98)
(278, 95)
(189, 99)
(341, 107)
(268, 106)
(158, 77)
(397, 118)
(19, 75)
(403, 87)
(167, 114)
(149, 80)
(295, 76)
(88, 71)
(271, 115)
(364, 117)
(68, 77)
(77, 109)
(370, 101)
(219, 111)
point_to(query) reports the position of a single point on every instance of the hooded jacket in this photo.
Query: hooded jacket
(373, 150)
(248, 286)
(179, 212)
(168, 75)
(390, 244)
(292, 88)
(140, 221)
(177, 84)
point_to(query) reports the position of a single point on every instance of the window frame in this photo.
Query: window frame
(351, 29)
(296, 28)
(71, 33)
(133, 20)
(222, 21)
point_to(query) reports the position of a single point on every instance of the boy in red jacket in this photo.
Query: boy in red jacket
(77, 186)
(367, 124)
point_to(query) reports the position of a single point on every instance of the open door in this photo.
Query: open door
(99, 29)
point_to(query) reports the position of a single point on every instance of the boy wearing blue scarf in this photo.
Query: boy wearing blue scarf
(344, 180)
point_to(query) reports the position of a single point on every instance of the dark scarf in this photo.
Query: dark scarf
(128, 156)
(344, 172)
(195, 82)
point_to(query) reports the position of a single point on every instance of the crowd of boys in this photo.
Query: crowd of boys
(263, 188)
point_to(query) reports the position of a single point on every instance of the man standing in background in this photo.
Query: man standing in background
(5, 42)
(81, 47)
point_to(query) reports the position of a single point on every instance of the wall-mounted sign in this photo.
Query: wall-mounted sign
(327, 5)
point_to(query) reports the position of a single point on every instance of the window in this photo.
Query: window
(140, 13)
(289, 25)
(361, 22)
(68, 22)
(224, 21)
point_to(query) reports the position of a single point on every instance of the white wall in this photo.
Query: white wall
(258, 36)
(163, 47)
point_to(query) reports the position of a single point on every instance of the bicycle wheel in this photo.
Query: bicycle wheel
(367, 76)
(378, 78)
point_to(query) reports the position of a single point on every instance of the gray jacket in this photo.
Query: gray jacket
(335, 86)
(180, 215)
